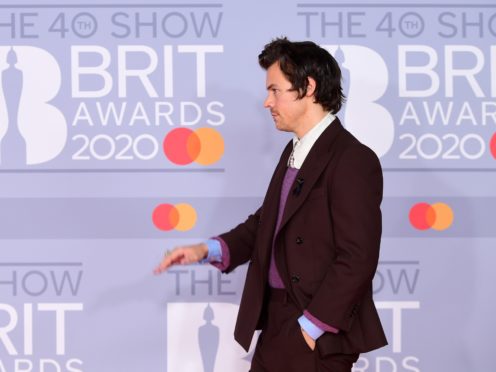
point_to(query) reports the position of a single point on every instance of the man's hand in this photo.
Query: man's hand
(184, 255)
(310, 341)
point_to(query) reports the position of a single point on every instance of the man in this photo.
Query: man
(313, 246)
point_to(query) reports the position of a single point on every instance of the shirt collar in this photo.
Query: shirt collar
(302, 146)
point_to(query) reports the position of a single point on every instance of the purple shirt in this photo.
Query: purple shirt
(275, 280)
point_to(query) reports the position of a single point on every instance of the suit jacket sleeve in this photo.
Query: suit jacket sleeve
(241, 241)
(355, 194)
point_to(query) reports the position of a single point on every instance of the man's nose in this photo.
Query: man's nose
(268, 103)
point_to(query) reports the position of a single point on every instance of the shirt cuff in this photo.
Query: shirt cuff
(325, 327)
(214, 251)
(311, 329)
(225, 257)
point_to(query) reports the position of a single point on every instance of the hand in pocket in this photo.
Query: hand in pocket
(310, 341)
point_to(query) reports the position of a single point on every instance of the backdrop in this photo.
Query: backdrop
(129, 127)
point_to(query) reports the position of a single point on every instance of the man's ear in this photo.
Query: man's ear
(311, 87)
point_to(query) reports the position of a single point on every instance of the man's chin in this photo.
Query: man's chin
(282, 128)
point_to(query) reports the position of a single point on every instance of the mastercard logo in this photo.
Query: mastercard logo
(181, 217)
(438, 216)
(492, 145)
(183, 146)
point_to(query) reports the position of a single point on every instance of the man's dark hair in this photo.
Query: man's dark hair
(300, 60)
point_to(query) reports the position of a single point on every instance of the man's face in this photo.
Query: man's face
(287, 110)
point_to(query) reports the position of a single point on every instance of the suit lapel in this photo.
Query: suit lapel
(271, 204)
(313, 166)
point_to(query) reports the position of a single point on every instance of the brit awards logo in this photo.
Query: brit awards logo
(202, 306)
(419, 96)
(367, 119)
(32, 130)
(207, 335)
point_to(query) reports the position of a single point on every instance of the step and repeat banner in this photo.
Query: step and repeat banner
(127, 128)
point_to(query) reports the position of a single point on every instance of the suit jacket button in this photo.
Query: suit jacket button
(299, 240)
(295, 278)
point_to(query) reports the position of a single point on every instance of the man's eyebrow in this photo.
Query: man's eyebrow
(272, 86)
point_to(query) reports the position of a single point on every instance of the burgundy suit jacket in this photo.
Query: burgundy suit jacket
(327, 247)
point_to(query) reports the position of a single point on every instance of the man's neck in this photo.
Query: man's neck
(310, 121)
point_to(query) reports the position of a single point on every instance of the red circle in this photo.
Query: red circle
(492, 145)
(176, 147)
(165, 217)
(422, 216)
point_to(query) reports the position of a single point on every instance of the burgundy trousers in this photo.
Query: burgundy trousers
(282, 348)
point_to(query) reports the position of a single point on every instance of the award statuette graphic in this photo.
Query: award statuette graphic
(208, 338)
(346, 77)
(13, 144)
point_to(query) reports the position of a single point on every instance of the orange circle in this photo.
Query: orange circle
(444, 216)
(212, 146)
(187, 218)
